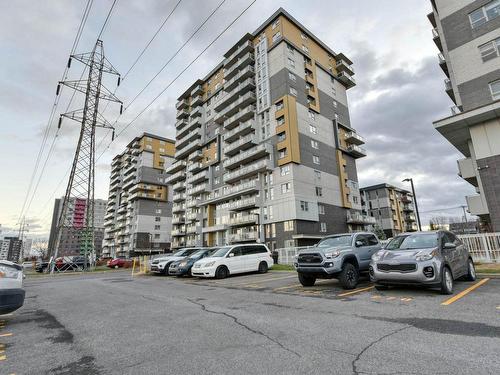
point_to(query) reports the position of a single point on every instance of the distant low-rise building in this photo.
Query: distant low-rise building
(392, 207)
(469, 227)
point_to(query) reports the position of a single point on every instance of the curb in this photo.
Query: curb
(489, 275)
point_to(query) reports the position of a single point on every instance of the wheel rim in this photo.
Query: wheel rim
(350, 276)
(448, 280)
(472, 270)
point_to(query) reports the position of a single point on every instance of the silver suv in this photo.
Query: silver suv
(433, 259)
(341, 256)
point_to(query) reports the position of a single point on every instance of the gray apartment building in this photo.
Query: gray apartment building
(71, 241)
(11, 249)
(138, 217)
(265, 150)
(467, 33)
(392, 208)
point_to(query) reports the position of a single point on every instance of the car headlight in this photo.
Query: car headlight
(332, 255)
(426, 256)
(183, 264)
(9, 272)
(378, 255)
(209, 264)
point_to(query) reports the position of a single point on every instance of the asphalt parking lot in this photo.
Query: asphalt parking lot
(113, 323)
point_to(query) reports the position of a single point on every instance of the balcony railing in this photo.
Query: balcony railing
(183, 103)
(182, 113)
(247, 72)
(231, 59)
(180, 153)
(244, 236)
(243, 143)
(343, 65)
(240, 204)
(243, 115)
(357, 218)
(356, 151)
(253, 153)
(243, 219)
(197, 90)
(180, 143)
(181, 175)
(354, 138)
(177, 207)
(232, 95)
(197, 177)
(231, 192)
(197, 189)
(248, 170)
(175, 167)
(233, 108)
(242, 129)
(245, 59)
(346, 79)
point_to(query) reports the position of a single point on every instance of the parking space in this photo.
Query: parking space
(283, 282)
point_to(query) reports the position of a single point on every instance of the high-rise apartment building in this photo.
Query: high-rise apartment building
(72, 241)
(467, 33)
(11, 249)
(139, 214)
(391, 207)
(265, 149)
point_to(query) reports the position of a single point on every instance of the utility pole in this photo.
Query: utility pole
(415, 198)
(22, 229)
(79, 223)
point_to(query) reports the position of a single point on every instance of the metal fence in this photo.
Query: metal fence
(484, 248)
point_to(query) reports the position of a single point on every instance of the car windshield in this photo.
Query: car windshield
(181, 253)
(413, 241)
(197, 254)
(335, 241)
(222, 251)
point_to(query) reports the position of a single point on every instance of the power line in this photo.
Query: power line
(54, 105)
(107, 19)
(441, 209)
(178, 75)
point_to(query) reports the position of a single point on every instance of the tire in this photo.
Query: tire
(221, 272)
(381, 287)
(165, 270)
(446, 281)
(349, 276)
(307, 280)
(263, 267)
(471, 271)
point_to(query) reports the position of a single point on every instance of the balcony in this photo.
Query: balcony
(241, 204)
(354, 138)
(240, 89)
(196, 100)
(243, 237)
(247, 72)
(178, 176)
(183, 152)
(249, 170)
(191, 203)
(344, 66)
(178, 207)
(410, 217)
(175, 167)
(197, 155)
(356, 151)
(181, 104)
(408, 207)
(449, 89)
(182, 113)
(357, 218)
(197, 90)
(254, 153)
(180, 143)
(214, 228)
(476, 205)
(232, 192)
(176, 220)
(467, 171)
(241, 102)
(243, 219)
(197, 177)
(437, 39)
(178, 232)
(196, 112)
(190, 229)
(197, 189)
(242, 129)
(239, 64)
(180, 186)
(346, 79)
(241, 50)
(195, 167)
(178, 197)
(192, 216)
(443, 65)
(243, 143)
(243, 115)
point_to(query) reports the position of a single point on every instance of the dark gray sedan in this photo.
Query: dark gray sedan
(433, 259)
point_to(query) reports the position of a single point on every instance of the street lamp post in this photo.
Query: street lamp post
(410, 180)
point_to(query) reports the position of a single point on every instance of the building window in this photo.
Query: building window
(291, 62)
(311, 115)
(285, 188)
(288, 226)
(490, 50)
(276, 36)
(314, 144)
(316, 159)
(285, 170)
(305, 49)
(304, 206)
(303, 36)
(279, 105)
(276, 23)
(280, 120)
(322, 227)
(319, 191)
(281, 136)
(495, 90)
(335, 104)
(149, 147)
(313, 129)
(158, 211)
(216, 180)
(217, 168)
(157, 236)
(321, 209)
(157, 227)
(157, 218)
(282, 154)
(293, 91)
(317, 174)
(290, 49)
(292, 76)
(484, 14)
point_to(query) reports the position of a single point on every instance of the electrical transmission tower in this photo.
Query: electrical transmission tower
(76, 220)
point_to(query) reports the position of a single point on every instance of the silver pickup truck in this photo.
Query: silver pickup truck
(340, 256)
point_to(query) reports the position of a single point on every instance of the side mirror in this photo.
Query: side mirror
(359, 243)
(449, 246)
(231, 255)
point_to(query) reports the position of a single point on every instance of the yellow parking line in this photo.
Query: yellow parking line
(406, 299)
(355, 291)
(465, 292)
(6, 335)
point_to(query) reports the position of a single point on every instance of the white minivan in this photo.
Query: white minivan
(229, 260)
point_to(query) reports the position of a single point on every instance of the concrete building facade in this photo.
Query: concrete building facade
(265, 150)
(392, 208)
(70, 239)
(467, 33)
(11, 249)
(138, 217)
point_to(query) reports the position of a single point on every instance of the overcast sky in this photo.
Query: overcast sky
(399, 88)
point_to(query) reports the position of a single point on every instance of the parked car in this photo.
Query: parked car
(119, 263)
(230, 260)
(11, 287)
(340, 256)
(433, 259)
(41, 266)
(184, 266)
(162, 264)
(27, 265)
(71, 263)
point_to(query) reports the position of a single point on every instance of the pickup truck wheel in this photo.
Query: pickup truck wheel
(306, 280)
(471, 271)
(446, 281)
(262, 267)
(349, 276)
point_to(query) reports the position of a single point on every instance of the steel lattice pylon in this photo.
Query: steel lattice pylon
(77, 213)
